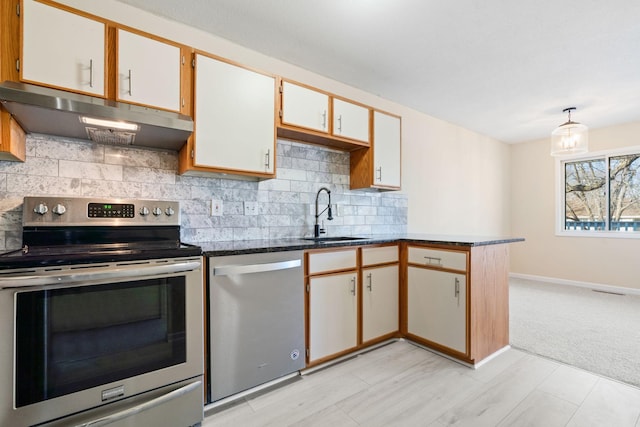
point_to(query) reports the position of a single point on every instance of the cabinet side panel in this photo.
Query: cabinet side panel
(489, 287)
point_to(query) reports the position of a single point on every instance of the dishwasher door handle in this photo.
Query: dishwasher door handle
(228, 270)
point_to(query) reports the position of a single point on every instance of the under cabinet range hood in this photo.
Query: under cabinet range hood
(54, 112)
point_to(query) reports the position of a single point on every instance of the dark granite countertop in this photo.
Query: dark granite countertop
(278, 245)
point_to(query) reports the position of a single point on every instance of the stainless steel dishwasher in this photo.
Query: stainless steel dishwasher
(256, 320)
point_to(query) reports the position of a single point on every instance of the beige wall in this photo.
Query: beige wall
(457, 181)
(607, 261)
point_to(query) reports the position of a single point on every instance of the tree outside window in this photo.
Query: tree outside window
(602, 194)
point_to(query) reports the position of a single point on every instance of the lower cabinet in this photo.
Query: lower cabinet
(380, 302)
(452, 298)
(352, 299)
(437, 309)
(333, 314)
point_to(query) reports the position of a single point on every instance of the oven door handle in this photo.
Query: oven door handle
(133, 271)
(143, 406)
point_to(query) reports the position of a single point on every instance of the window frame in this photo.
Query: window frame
(560, 194)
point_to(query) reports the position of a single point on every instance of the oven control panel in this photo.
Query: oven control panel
(111, 210)
(80, 211)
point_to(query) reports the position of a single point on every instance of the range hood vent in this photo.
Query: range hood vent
(55, 112)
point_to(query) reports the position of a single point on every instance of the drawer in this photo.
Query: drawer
(455, 260)
(379, 255)
(332, 261)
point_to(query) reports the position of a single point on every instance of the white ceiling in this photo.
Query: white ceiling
(503, 68)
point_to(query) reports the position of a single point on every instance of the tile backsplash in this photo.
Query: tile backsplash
(59, 166)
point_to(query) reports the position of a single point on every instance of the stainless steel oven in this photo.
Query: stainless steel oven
(106, 333)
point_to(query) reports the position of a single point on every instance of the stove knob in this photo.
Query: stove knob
(144, 211)
(157, 211)
(169, 211)
(59, 209)
(41, 209)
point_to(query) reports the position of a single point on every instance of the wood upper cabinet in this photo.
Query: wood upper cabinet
(311, 115)
(379, 166)
(234, 121)
(62, 49)
(304, 107)
(12, 138)
(148, 71)
(350, 120)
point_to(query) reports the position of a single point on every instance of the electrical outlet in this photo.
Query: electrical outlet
(216, 207)
(251, 208)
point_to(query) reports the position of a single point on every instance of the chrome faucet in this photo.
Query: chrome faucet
(316, 229)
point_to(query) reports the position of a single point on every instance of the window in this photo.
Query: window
(601, 195)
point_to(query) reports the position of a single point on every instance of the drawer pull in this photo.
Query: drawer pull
(431, 260)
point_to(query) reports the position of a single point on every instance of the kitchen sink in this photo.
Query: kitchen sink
(333, 238)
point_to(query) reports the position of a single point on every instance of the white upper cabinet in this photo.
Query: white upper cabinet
(386, 150)
(63, 50)
(234, 119)
(148, 71)
(304, 107)
(350, 120)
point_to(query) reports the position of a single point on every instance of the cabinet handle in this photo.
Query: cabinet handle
(324, 119)
(433, 260)
(457, 290)
(340, 123)
(379, 173)
(370, 285)
(267, 160)
(130, 83)
(90, 72)
(353, 286)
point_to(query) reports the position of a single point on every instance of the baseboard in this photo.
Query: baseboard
(588, 285)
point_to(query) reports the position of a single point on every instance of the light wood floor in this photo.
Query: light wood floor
(404, 385)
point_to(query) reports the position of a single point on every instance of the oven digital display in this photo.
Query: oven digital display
(111, 210)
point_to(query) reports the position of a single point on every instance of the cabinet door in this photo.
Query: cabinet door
(350, 120)
(148, 71)
(54, 53)
(304, 107)
(379, 302)
(386, 146)
(437, 307)
(234, 117)
(333, 314)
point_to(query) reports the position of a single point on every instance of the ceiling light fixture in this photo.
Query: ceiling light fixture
(570, 137)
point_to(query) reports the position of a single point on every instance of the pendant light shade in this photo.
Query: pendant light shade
(570, 137)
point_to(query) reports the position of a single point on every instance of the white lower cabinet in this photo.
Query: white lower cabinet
(333, 314)
(436, 308)
(380, 306)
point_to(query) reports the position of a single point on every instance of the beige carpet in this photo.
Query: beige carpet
(595, 331)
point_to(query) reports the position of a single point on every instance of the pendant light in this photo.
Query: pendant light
(570, 137)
